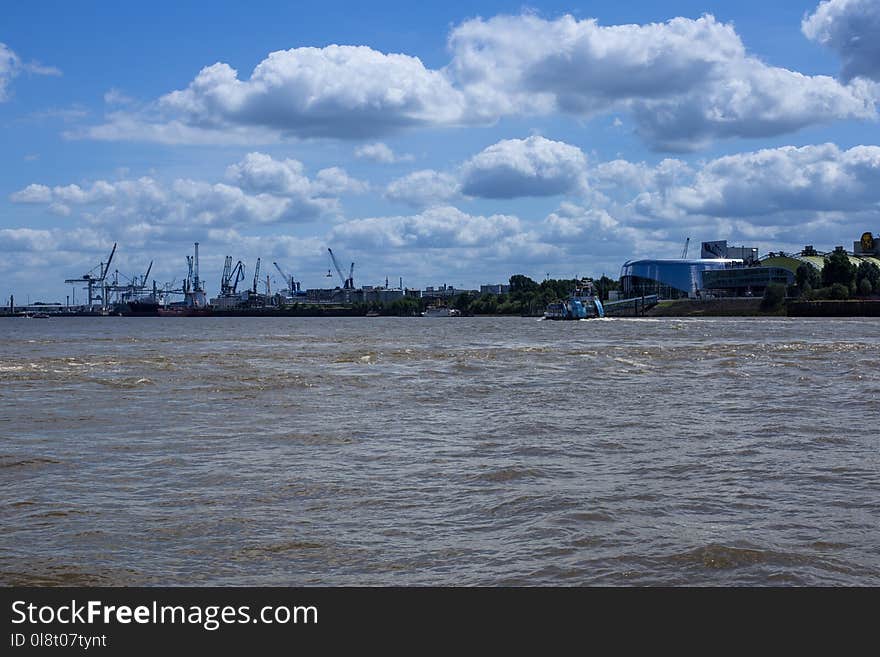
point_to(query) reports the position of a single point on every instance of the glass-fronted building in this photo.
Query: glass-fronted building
(670, 279)
(744, 281)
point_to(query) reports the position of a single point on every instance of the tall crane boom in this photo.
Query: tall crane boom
(684, 251)
(91, 280)
(291, 284)
(237, 276)
(336, 264)
(226, 275)
(256, 275)
(347, 283)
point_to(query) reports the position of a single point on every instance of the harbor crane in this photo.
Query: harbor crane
(187, 284)
(347, 283)
(231, 276)
(256, 275)
(91, 279)
(684, 251)
(193, 282)
(291, 284)
(133, 288)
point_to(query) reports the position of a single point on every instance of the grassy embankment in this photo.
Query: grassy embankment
(712, 308)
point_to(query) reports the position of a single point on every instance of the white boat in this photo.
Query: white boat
(440, 311)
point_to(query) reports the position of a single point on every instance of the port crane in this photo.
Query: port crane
(684, 251)
(91, 279)
(193, 282)
(256, 275)
(231, 277)
(291, 284)
(133, 288)
(347, 283)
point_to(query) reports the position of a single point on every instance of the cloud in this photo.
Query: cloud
(40, 241)
(525, 167)
(116, 97)
(12, 65)
(437, 227)
(9, 67)
(595, 233)
(337, 91)
(264, 191)
(380, 152)
(852, 29)
(686, 82)
(787, 180)
(423, 188)
(33, 193)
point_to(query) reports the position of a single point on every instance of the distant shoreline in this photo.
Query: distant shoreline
(736, 307)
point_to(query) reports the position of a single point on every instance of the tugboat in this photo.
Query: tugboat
(581, 304)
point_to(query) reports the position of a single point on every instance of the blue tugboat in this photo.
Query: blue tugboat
(583, 303)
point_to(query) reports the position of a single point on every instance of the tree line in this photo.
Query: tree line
(839, 279)
(525, 297)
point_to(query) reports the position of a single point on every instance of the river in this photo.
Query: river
(454, 451)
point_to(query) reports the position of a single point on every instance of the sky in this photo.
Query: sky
(441, 143)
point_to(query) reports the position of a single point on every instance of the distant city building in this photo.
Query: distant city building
(444, 292)
(495, 289)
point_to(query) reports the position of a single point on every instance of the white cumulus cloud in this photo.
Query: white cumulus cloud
(784, 180)
(263, 191)
(336, 91)
(437, 227)
(535, 166)
(380, 152)
(423, 188)
(852, 29)
(686, 82)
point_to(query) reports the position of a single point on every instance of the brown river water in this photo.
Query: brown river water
(448, 451)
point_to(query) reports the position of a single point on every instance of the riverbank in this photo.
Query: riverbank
(851, 308)
(712, 308)
(752, 308)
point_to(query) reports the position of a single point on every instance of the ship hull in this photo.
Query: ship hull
(184, 312)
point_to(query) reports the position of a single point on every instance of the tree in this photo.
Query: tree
(838, 269)
(604, 284)
(462, 302)
(520, 283)
(867, 271)
(839, 291)
(865, 287)
(807, 277)
(774, 295)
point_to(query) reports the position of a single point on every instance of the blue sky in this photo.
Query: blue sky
(450, 142)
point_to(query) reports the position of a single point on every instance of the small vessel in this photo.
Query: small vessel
(581, 304)
(440, 311)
